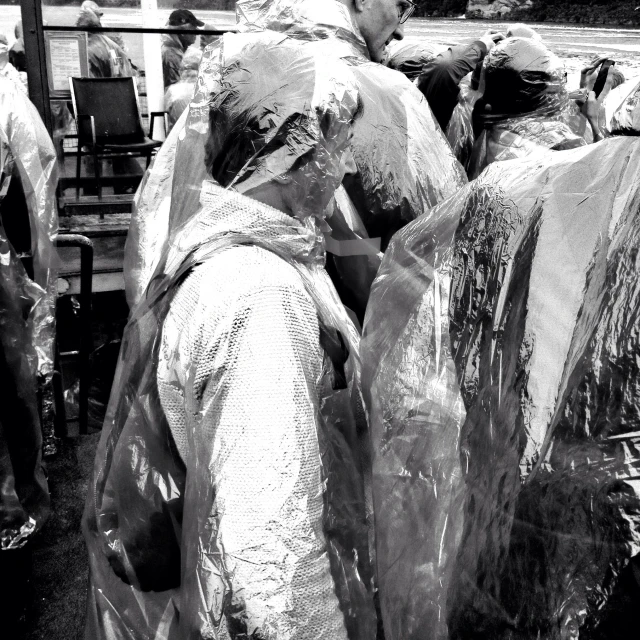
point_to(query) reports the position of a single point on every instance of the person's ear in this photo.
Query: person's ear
(360, 5)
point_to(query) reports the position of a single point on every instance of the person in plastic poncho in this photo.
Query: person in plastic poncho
(178, 96)
(28, 179)
(404, 163)
(228, 497)
(525, 107)
(106, 58)
(500, 370)
(174, 45)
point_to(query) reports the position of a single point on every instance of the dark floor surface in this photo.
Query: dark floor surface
(43, 587)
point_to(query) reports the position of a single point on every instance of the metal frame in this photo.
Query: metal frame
(97, 154)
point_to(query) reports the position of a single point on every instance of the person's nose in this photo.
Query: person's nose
(348, 163)
(398, 34)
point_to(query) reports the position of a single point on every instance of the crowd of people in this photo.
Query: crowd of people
(380, 377)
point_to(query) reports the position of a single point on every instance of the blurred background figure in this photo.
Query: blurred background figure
(7, 69)
(208, 39)
(106, 58)
(174, 45)
(92, 7)
(16, 52)
(178, 95)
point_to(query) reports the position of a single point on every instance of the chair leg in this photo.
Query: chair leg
(96, 171)
(78, 168)
(148, 160)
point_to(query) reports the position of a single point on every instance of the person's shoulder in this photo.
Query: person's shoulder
(246, 270)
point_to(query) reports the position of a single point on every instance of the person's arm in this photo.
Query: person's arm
(253, 540)
(591, 110)
(170, 67)
(440, 78)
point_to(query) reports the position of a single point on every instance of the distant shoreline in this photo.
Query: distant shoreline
(521, 15)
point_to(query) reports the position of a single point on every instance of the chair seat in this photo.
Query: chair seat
(144, 145)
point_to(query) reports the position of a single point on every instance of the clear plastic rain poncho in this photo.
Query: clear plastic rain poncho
(405, 165)
(228, 497)
(28, 173)
(459, 132)
(409, 56)
(501, 376)
(525, 108)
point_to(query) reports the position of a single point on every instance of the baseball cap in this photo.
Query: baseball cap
(180, 17)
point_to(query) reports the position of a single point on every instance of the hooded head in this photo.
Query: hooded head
(523, 76)
(520, 30)
(280, 137)
(184, 19)
(89, 5)
(87, 19)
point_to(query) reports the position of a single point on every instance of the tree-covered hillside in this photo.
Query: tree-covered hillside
(581, 11)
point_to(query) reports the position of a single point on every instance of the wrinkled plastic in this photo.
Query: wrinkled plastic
(409, 57)
(230, 483)
(27, 306)
(415, 415)
(459, 132)
(31, 149)
(404, 163)
(517, 516)
(525, 108)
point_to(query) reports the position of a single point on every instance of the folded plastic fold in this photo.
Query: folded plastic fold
(519, 518)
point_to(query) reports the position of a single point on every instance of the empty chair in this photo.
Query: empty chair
(108, 121)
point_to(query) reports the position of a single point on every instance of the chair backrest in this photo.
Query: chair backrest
(113, 103)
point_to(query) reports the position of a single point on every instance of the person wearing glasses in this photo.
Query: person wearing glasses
(380, 22)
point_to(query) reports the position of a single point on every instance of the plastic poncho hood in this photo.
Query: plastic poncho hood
(404, 163)
(525, 108)
(523, 76)
(308, 18)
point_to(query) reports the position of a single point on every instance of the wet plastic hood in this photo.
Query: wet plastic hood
(323, 18)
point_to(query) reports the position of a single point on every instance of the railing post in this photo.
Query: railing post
(36, 59)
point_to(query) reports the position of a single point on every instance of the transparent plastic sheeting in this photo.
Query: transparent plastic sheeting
(459, 132)
(26, 311)
(24, 137)
(229, 495)
(501, 376)
(404, 164)
(626, 118)
(525, 108)
(409, 57)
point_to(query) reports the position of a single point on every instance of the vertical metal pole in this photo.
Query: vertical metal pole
(152, 47)
(36, 59)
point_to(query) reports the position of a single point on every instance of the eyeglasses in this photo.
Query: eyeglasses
(407, 11)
